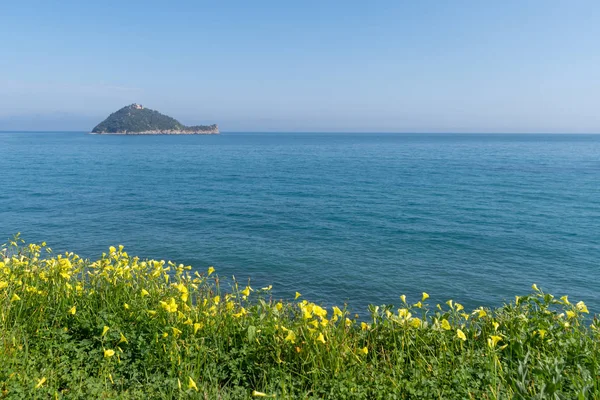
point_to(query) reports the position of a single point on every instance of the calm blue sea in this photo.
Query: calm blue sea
(358, 218)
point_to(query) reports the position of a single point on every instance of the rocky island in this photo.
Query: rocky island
(138, 120)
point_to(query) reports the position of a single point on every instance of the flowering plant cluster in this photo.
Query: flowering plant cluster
(125, 327)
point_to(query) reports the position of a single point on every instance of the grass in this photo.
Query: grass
(121, 327)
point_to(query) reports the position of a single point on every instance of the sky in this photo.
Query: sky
(343, 66)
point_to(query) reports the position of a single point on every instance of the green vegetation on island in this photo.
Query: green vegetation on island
(136, 119)
(123, 327)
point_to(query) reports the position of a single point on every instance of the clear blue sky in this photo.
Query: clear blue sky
(405, 66)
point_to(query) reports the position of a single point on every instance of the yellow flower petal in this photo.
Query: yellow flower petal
(210, 270)
(291, 337)
(109, 353)
(192, 384)
(321, 338)
(461, 335)
(104, 330)
(72, 310)
(297, 295)
(425, 296)
(493, 340)
(582, 307)
(446, 325)
(40, 383)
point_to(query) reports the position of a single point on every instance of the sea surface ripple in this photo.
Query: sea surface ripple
(357, 218)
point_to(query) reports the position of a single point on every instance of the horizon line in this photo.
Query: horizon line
(340, 132)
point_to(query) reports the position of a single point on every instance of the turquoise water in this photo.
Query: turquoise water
(361, 218)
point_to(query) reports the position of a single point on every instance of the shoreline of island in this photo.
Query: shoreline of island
(213, 131)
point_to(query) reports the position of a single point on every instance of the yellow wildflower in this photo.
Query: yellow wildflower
(541, 332)
(40, 383)
(461, 335)
(171, 306)
(415, 322)
(72, 310)
(337, 311)
(261, 394)
(176, 332)
(217, 299)
(279, 306)
(458, 306)
(15, 297)
(496, 325)
(582, 307)
(517, 299)
(145, 292)
(364, 326)
(570, 314)
(210, 270)
(446, 325)
(425, 296)
(123, 339)
(403, 298)
(291, 337)
(165, 335)
(450, 304)
(364, 350)
(297, 295)
(481, 312)
(534, 287)
(3, 284)
(109, 353)
(565, 299)
(319, 311)
(112, 249)
(493, 340)
(321, 338)
(104, 330)
(192, 384)
(197, 327)
(419, 304)
(241, 313)
(267, 288)
(183, 290)
(126, 306)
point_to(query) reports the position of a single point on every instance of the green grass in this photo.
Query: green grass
(120, 327)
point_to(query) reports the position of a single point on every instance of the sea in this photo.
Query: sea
(342, 218)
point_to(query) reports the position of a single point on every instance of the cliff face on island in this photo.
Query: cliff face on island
(137, 120)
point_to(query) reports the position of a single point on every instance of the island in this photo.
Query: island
(138, 120)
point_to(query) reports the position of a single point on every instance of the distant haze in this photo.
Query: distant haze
(385, 66)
